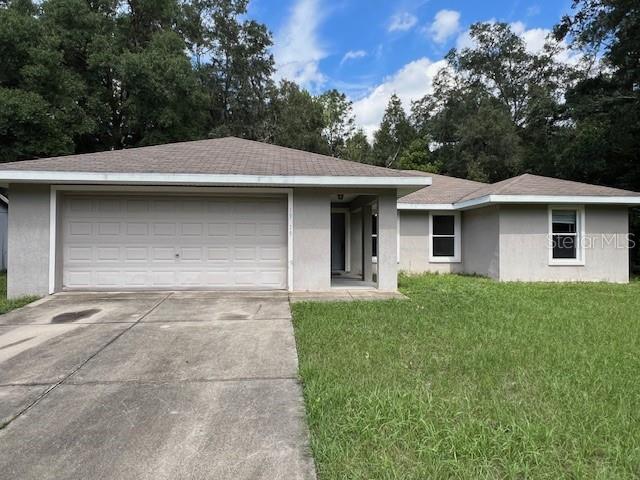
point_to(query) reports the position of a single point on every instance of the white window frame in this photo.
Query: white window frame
(457, 235)
(580, 232)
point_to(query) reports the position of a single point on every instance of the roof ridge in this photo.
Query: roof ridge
(459, 178)
(509, 182)
(470, 193)
(322, 155)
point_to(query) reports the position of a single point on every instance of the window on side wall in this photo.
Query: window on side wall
(444, 237)
(566, 230)
(374, 237)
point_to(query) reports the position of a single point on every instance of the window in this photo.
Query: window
(444, 237)
(565, 231)
(374, 235)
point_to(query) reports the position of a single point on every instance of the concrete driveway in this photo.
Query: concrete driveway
(182, 385)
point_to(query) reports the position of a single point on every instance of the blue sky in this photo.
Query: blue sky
(370, 49)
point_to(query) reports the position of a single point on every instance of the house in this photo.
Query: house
(526, 228)
(212, 214)
(236, 214)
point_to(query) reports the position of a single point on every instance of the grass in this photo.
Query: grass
(8, 305)
(475, 379)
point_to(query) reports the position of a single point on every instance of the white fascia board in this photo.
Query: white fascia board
(210, 179)
(426, 206)
(546, 199)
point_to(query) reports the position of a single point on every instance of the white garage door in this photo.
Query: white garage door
(173, 242)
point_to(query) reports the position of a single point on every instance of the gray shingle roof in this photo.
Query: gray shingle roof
(222, 156)
(444, 189)
(456, 190)
(528, 184)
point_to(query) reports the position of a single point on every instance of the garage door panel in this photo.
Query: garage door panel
(191, 229)
(108, 278)
(244, 254)
(136, 254)
(163, 229)
(163, 254)
(163, 278)
(173, 242)
(137, 229)
(137, 206)
(191, 254)
(134, 278)
(107, 254)
(222, 230)
(273, 279)
(271, 254)
(79, 228)
(108, 228)
(218, 254)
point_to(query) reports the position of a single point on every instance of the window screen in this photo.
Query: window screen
(564, 234)
(443, 236)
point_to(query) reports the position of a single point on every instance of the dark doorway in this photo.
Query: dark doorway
(338, 232)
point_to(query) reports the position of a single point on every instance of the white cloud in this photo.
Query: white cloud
(402, 22)
(353, 55)
(411, 82)
(297, 50)
(445, 24)
(534, 40)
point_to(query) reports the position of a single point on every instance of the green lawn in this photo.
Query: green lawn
(7, 305)
(475, 379)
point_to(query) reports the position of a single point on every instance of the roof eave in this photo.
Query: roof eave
(547, 199)
(525, 200)
(403, 184)
(426, 206)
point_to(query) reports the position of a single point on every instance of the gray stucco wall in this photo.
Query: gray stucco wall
(28, 242)
(311, 240)
(510, 243)
(414, 245)
(524, 252)
(387, 242)
(480, 245)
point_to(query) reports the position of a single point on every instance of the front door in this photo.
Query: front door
(338, 231)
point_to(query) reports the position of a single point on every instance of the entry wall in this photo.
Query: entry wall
(311, 240)
(28, 240)
(387, 242)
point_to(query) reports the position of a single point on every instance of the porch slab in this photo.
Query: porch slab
(342, 295)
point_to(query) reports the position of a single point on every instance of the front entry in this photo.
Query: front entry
(338, 247)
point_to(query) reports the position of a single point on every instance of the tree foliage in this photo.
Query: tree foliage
(394, 135)
(338, 119)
